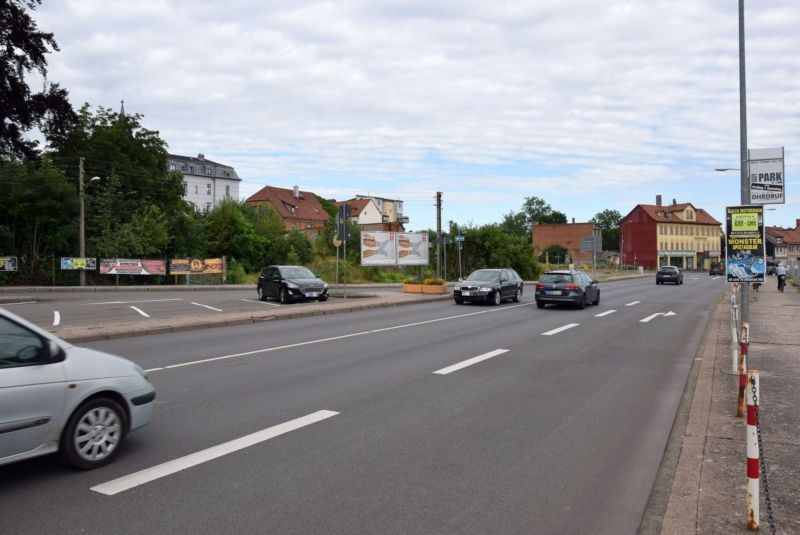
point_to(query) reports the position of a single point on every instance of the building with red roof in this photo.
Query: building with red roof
(300, 210)
(653, 235)
(783, 244)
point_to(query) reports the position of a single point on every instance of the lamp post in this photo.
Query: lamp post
(81, 239)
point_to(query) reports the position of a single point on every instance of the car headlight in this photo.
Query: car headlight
(486, 289)
(141, 372)
(292, 285)
(325, 285)
(457, 288)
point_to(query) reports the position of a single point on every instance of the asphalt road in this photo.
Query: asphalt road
(378, 422)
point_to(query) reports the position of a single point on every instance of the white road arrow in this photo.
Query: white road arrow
(657, 314)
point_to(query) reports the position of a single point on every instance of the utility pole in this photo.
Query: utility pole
(745, 185)
(81, 244)
(438, 234)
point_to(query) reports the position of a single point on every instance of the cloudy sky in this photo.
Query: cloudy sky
(588, 104)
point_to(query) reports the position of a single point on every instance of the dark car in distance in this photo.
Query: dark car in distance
(669, 274)
(572, 287)
(289, 284)
(716, 269)
(489, 286)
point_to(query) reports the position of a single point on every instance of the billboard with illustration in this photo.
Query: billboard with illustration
(132, 266)
(195, 266)
(744, 244)
(412, 249)
(378, 249)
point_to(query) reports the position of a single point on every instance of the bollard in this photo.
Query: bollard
(752, 454)
(745, 340)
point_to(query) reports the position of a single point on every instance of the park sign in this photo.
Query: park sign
(744, 244)
(767, 176)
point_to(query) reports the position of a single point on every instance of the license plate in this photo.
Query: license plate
(553, 292)
(312, 294)
(466, 294)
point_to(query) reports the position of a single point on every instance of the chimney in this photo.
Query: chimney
(201, 156)
(573, 220)
(674, 202)
(296, 193)
(658, 200)
(796, 223)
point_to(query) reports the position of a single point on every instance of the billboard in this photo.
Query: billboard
(767, 173)
(378, 249)
(8, 263)
(412, 249)
(744, 244)
(78, 263)
(132, 266)
(195, 266)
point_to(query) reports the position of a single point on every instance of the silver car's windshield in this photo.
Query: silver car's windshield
(297, 273)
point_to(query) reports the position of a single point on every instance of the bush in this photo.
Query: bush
(235, 274)
(433, 282)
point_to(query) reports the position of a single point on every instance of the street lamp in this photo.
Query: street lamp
(81, 242)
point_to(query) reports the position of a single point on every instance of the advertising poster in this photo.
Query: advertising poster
(378, 249)
(132, 266)
(86, 264)
(195, 266)
(412, 249)
(8, 263)
(744, 244)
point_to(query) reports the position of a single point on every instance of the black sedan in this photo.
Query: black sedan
(290, 283)
(489, 286)
(669, 274)
(572, 287)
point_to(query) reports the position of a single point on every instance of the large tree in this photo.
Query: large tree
(539, 211)
(23, 47)
(608, 221)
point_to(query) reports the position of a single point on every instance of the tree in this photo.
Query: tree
(555, 254)
(516, 224)
(608, 221)
(22, 50)
(538, 211)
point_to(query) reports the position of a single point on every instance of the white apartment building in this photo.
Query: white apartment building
(205, 183)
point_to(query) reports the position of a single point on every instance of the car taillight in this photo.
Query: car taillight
(539, 286)
(570, 287)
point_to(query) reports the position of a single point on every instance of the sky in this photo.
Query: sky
(587, 104)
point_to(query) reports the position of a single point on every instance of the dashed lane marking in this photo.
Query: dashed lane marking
(606, 313)
(470, 362)
(140, 311)
(206, 306)
(147, 475)
(560, 329)
(56, 318)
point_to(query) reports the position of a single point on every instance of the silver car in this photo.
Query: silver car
(56, 397)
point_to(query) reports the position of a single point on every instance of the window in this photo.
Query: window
(195, 189)
(185, 188)
(172, 167)
(227, 191)
(18, 345)
(209, 171)
(208, 191)
(208, 207)
(183, 168)
(191, 169)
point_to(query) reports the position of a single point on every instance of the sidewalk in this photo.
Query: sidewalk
(708, 490)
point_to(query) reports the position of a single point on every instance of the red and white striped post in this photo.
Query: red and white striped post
(753, 458)
(744, 344)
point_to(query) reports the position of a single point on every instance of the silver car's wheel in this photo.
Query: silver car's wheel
(94, 434)
(496, 298)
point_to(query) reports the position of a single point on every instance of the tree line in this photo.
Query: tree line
(136, 209)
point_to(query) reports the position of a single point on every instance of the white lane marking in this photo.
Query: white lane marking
(20, 303)
(206, 306)
(470, 362)
(321, 340)
(128, 302)
(147, 475)
(657, 314)
(56, 318)
(140, 311)
(632, 303)
(560, 329)
(261, 302)
(606, 313)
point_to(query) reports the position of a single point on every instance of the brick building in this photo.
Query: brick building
(568, 236)
(681, 235)
(783, 244)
